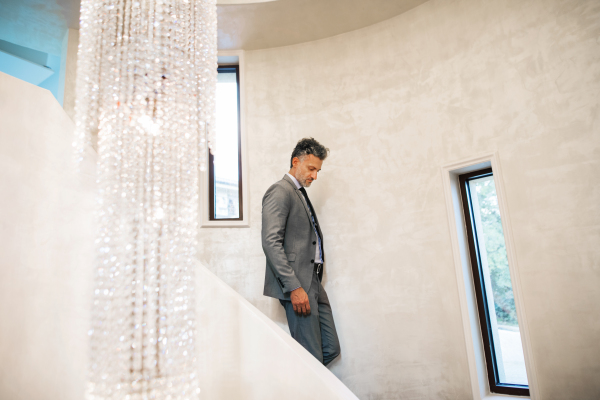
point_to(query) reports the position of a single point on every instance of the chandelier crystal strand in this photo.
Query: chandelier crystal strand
(146, 82)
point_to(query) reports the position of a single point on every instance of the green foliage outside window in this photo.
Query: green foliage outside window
(496, 253)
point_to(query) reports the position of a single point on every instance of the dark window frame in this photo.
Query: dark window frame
(211, 159)
(480, 293)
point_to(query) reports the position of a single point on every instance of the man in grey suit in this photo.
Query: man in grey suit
(293, 243)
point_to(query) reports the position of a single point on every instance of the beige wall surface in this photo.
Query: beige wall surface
(47, 238)
(445, 81)
(46, 273)
(71, 72)
(244, 355)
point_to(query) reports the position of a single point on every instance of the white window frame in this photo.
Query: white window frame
(458, 234)
(234, 57)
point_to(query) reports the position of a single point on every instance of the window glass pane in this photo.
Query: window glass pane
(226, 165)
(498, 291)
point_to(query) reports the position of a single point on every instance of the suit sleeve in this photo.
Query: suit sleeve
(275, 210)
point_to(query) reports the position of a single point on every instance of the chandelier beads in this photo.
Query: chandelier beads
(146, 80)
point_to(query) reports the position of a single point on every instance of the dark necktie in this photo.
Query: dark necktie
(314, 217)
(312, 210)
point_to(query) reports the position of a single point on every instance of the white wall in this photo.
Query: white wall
(71, 49)
(45, 258)
(46, 264)
(445, 81)
(244, 355)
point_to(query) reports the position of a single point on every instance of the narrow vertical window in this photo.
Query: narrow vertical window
(225, 169)
(503, 349)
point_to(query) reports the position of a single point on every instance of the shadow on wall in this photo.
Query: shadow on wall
(36, 67)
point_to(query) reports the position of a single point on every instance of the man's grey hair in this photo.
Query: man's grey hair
(308, 146)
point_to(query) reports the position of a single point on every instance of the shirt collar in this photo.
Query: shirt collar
(298, 185)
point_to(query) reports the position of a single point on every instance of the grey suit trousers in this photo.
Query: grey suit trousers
(316, 331)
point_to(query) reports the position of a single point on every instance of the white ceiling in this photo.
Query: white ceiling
(286, 22)
(247, 24)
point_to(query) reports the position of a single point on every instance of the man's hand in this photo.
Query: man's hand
(300, 301)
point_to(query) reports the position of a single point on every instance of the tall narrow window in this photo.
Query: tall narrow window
(225, 169)
(503, 349)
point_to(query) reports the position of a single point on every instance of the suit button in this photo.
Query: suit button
(314, 242)
(312, 261)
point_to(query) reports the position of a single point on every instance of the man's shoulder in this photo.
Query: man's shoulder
(280, 185)
(280, 190)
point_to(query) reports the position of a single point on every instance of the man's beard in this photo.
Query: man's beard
(301, 180)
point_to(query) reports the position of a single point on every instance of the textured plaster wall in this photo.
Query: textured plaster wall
(244, 355)
(45, 258)
(71, 72)
(46, 265)
(445, 81)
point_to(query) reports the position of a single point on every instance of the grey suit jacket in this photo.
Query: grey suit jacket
(288, 240)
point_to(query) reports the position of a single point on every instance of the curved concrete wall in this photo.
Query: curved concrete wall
(443, 82)
(46, 264)
(245, 355)
(46, 253)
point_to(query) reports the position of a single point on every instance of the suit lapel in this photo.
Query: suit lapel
(300, 197)
(307, 209)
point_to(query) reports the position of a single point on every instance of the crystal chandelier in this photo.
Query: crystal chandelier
(146, 81)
